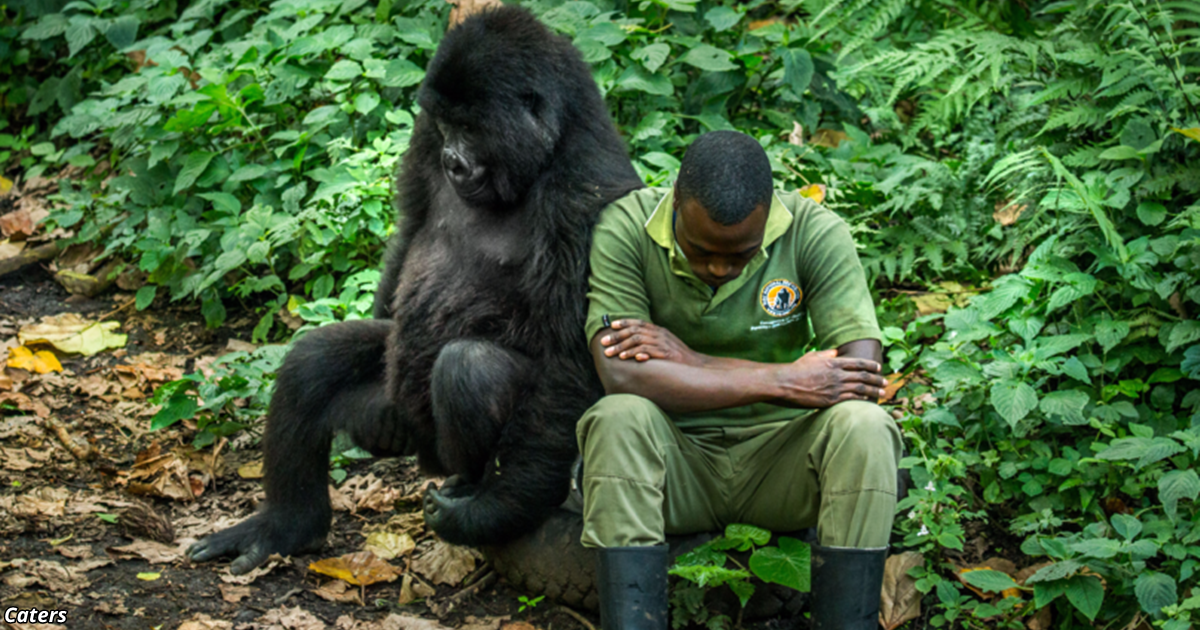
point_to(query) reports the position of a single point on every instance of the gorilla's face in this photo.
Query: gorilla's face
(493, 146)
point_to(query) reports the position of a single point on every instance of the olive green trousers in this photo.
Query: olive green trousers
(644, 478)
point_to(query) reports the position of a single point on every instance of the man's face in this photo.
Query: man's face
(717, 253)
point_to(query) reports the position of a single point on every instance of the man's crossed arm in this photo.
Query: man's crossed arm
(637, 357)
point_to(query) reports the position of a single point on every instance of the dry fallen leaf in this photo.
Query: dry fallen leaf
(1041, 620)
(360, 569)
(895, 382)
(1006, 212)
(412, 589)
(828, 138)
(444, 563)
(253, 470)
(71, 333)
(796, 137)
(273, 561)
(294, 618)
(900, 601)
(25, 403)
(151, 551)
(816, 192)
(8, 248)
(234, 594)
(19, 224)
(339, 592)
(40, 362)
(203, 622)
(387, 545)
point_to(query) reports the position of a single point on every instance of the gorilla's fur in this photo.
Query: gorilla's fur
(477, 361)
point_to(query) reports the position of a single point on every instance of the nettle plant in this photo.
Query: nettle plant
(706, 567)
(254, 145)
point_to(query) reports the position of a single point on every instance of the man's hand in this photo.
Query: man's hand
(819, 379)
(642, 341)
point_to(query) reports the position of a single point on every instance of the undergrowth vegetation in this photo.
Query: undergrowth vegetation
(1022, 180)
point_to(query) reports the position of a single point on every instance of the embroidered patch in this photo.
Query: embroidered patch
(780, 297)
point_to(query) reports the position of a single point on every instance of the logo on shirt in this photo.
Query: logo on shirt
(780, 297)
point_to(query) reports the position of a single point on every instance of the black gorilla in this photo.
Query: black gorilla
(476, 361)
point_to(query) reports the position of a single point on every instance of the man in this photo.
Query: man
(699, 310)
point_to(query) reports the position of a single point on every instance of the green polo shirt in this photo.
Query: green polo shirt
(804, 290)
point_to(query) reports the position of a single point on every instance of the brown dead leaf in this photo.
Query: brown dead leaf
(8, 248)
(234, 594)
(1040, 620)
(41, 502)
(51, 575)
(900, 601)
(1006, 212)
(994, 564)
(165, 475)
(816, 192)
(411, 523)
(443, 563)
(371, 492)
(253, 470)
(151, 551)
(896, 380)
(18, 225)
(464, 8)
(796, 137)
(828, 138)
(294, 618)
(360, 569)
(273, 562)
(40, 362)
(387, 545)
(340, 501)
(203, 622)
(412, 589)
(518, 625)
(75, 552)
(339, 592)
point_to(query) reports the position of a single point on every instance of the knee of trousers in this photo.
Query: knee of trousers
(617, 420)
(867, 427)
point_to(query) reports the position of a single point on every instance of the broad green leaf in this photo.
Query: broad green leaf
(1110, 333)
(1102, 548)
(174, 409)
(1056, 571)
(1193, 133)
(402, 73)
(1046, 592)
(223, 201)
(637, 78)
(187, 119)
(1026, 327)
(1183, 333)
(1013, 400)
(122, 31)
(1145, 450)
(1151, 213)
(746, 536)
(322, 115)
(1176, 485)
(988, 580)
(50, 25)
(1074, 368)
(709, 58)
(1086, 593)
(1154, 591)
(788, 564)
(1068, 404)
(366, 102)
(709, 576)
(797, 70)
(145, 296)
(344, 70)
(79, 34)
(722, 18)
(1121, 152)
(1126, 525)
(193, 166)
(652, 56)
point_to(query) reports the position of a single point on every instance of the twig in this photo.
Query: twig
(578, 617)
(482, 583)
(475, 575)
(117, 310)
(29, 256)
(80, 451)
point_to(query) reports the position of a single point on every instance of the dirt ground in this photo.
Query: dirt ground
(95, 510)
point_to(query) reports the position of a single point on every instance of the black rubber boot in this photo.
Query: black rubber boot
(633, 587)
(846, 586)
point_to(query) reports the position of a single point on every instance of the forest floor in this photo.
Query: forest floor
(96, 511)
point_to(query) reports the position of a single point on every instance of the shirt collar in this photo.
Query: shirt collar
(658, 226)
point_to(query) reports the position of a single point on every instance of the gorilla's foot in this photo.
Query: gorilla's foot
(446, 507)
(253, 540)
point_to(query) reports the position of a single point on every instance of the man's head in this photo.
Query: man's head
(722, 197)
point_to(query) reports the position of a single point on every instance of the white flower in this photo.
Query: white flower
(924, 530)
(912, 516)
(930, 487)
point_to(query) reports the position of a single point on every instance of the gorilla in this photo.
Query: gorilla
(475, 361)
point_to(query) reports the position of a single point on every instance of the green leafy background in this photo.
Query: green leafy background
(1032, 163)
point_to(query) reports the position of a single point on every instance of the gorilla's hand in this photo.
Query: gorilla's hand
(445, 508)
(256, 538)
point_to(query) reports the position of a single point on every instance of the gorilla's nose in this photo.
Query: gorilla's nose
(457, 167)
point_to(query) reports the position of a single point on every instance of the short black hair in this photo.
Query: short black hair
(727, 173)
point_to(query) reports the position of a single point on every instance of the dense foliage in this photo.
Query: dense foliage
(1032, 166)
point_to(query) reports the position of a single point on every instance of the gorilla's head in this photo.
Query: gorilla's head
(495, 93)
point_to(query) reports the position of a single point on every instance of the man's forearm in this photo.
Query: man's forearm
(681, 388)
